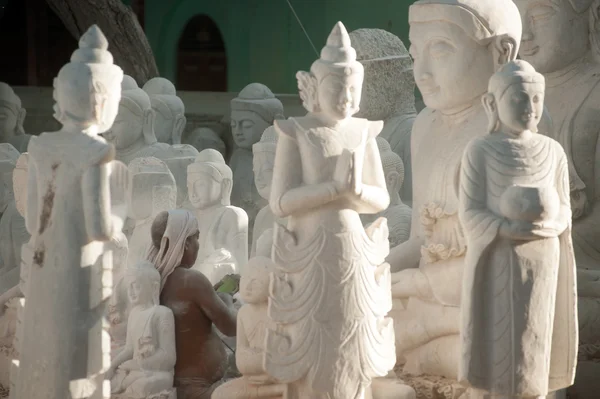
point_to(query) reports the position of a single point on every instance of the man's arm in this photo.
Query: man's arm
(202, 293)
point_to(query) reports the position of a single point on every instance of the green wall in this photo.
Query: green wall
(264, 42)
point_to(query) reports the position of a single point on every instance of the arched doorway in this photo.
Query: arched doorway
(201, 58)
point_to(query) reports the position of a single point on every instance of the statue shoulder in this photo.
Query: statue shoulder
(286, 128)
(234, 213)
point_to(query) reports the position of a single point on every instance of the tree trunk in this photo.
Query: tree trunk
(126, 39)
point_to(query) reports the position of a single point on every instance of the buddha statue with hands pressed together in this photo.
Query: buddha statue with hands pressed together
(145, 366)
(457, 45)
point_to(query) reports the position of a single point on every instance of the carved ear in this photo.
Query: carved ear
(307, 87)
(21, 120)
(392, 180)
(226, 187)
(491, 109)
(99, 107)
(506, 48)
(148, 127)
(178, 129)
(594, 28)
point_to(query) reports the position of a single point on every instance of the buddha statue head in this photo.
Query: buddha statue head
(87, 90)
(135, 121)
(151, 189)
(334, 84)
(169, 110)
(556, 33)
(515, 99)
(263, 161)
(393, 169)
(252, 111)
(143, 284)
(209, 180)
(457, 45)
(12, 113)
(254, 283)
(204, 137)
(389, 83)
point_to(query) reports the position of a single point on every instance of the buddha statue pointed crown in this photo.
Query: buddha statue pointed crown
(483, 20)
(338, 56)
(84, 85)
(259, 99)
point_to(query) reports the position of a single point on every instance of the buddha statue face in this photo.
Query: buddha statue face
(520, 107)
(126, 130)
(554, 34)
(451, 69)
(204, 190)
(254, 284)
(339, 95)
(262, 165)
(143, 284)
(9, 120)
(246, 128)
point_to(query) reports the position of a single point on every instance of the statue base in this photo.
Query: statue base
(433, 387)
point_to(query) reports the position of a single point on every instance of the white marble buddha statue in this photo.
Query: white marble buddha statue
(118, 306)
(388, 92)
(330, 294)
(223, 228)
(169, 110)
(12, 117)
(263, 161)
(518, 335)
(69, 216)
(151, 190)
(252, 322)
(144, 369)
(398, 214)
(456, 45)
(252, 111)
(561, 39)
(133, 133)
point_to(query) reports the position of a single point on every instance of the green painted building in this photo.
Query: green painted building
(222, 45)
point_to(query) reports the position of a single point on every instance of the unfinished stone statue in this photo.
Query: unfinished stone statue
(518, 335)
(169, 110)
(12, 117)
(263, 161)
(201, 356)
(205, 137)
(118, 306)
(13, 233)
(133, 133)
(151, 190)
(145, 367)
(388, 92)
(252, 111)
(331, 289)
(457, 45)
(69, 215)
(561, 39)
(398, 214)
(223, 227)
(252, 325)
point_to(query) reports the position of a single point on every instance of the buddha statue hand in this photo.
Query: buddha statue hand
(345, 177)
(261, 379)
(524, 230)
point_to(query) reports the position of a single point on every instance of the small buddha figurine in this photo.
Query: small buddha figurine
(561, 40)
(69, 218)
(518, 334)
(145, 366)
(252, 111)
(205, 137)
(13, 233)
(151, 190)
(252, 322)
(133, 133)
(12, 117)
(223, 227)
(169, 110)
(388, 92)
(456, 45)
(263, 161)
(398, 214)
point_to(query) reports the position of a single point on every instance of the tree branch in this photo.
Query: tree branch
(127, 40)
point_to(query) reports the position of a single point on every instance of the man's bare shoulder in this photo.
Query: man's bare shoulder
(190, 278)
